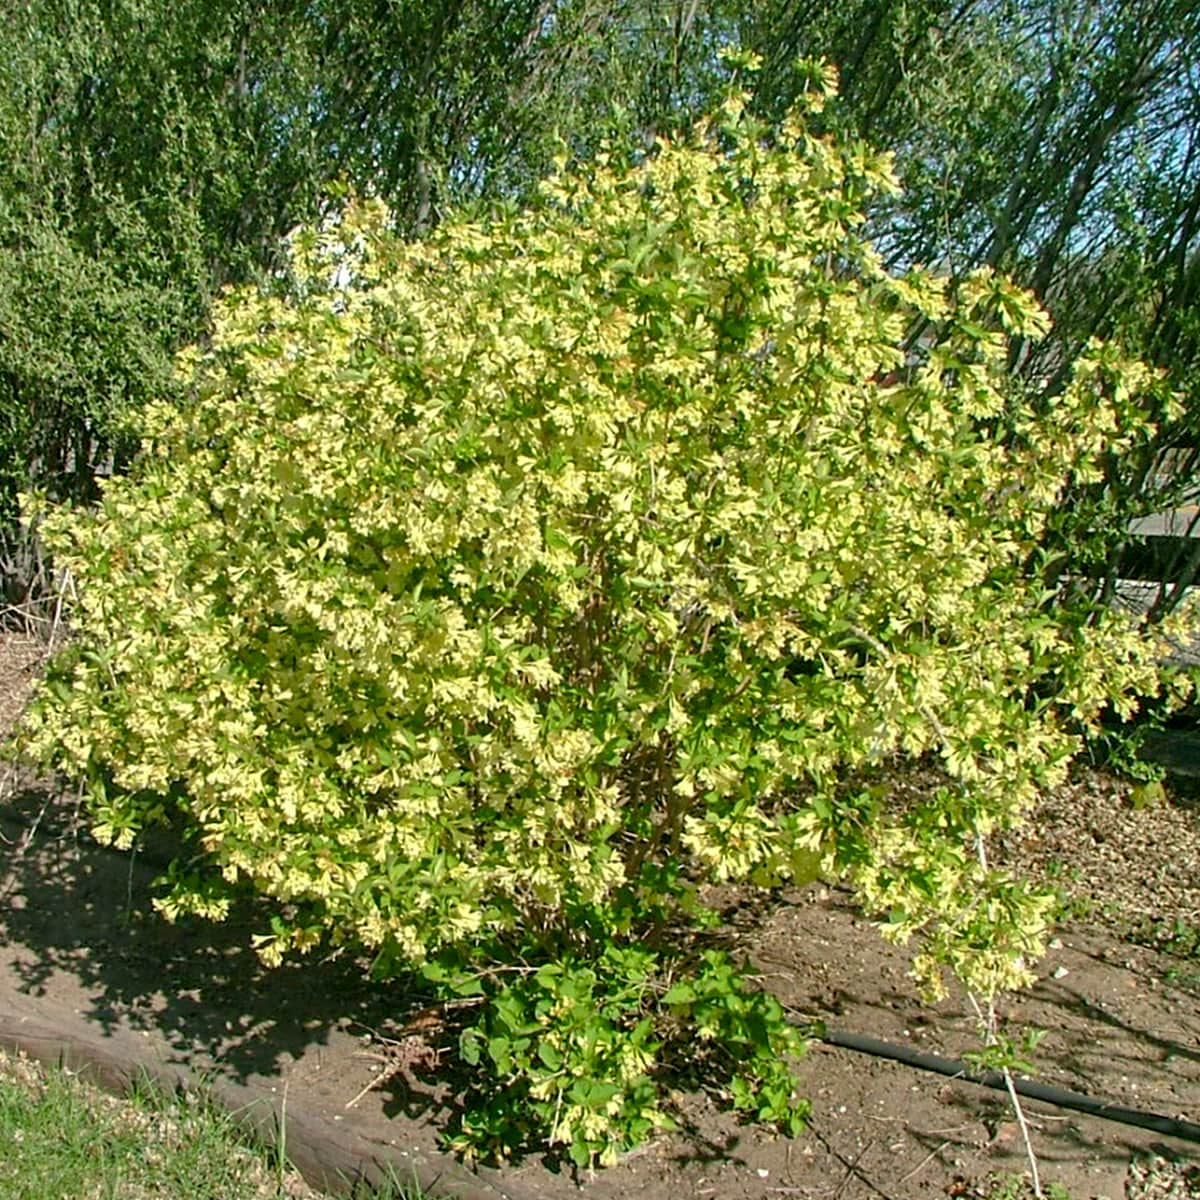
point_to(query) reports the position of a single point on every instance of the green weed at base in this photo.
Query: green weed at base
(1071, 899)
(1018, 1187)
(1179, 940)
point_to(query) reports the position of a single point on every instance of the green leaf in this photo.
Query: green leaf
(468, 1047)
(680, 993)
(1147, 795)
(499, 1050)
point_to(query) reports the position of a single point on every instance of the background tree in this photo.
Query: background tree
(146, 163)
(1058, 141)
(150, 158)
(153, 155)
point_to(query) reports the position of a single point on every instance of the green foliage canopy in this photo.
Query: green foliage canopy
(151, 156)
(143, 165)
(1058, 141)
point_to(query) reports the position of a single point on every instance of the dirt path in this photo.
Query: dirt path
(85, 963)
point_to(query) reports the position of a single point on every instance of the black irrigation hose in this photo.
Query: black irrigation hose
(1170, 1126)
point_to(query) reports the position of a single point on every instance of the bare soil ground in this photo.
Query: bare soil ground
(89, 973)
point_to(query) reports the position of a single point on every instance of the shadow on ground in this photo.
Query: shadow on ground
(84, 947)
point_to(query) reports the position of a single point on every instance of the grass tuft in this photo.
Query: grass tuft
(62, 1137)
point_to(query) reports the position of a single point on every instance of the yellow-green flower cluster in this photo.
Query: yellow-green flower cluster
(485, 573)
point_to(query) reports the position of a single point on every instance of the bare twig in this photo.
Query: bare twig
(852, 1170)
(1020, 1112)
(923, 1163)
(22, 848)
(989, 1025)
(399, 1058)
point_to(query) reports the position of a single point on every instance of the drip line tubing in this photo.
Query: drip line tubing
(1061, 1097)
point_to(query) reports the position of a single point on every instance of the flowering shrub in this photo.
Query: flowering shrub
(493, 595)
